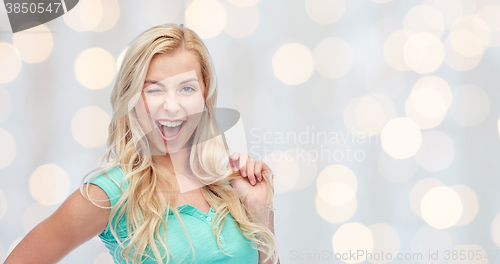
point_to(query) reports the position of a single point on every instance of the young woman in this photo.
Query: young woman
(168, 191)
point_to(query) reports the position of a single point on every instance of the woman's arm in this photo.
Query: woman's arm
(254, 192)
(76, 221)
(266, 217)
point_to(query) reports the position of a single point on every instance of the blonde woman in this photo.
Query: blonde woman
(166, 191)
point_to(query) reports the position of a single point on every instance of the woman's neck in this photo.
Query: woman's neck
(177, 162)
(178, 165)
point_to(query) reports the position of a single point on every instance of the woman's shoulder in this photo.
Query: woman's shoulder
(110, 181)
(114, 174)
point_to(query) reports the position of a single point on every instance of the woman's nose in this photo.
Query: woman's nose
(171, 104)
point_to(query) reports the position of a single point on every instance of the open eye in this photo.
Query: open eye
(187, 89)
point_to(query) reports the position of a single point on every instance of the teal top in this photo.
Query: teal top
(198, 225)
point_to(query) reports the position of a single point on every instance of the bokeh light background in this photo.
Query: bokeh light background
(379, 118)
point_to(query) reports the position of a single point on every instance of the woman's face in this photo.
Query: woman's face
(171, 102)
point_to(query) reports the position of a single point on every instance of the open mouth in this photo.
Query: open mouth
(171, 130)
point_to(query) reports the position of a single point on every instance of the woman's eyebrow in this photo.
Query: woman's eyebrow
(188, 80)
(154, 82)
(181, 83)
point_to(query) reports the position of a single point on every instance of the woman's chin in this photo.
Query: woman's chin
(169, 148)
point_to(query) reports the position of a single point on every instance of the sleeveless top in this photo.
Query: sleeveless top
(198, 225)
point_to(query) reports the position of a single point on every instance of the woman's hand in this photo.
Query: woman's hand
(250, 185)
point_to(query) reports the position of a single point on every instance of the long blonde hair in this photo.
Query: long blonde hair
(141, 201)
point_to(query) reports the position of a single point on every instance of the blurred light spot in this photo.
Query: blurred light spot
(437, 151)
(85, 16)
(441, 207)
(437, 84)
(367, 102)
(5, 104)
(491, 16)
(430, 240)
(293, 64)
(469, 254)
(34, 44)
(285, 169)
(450, 10)
(157, 12)
(396, 170)
(423, 52)
(10, 63)
(8, 147)
(352, 237)
(333, 57)
(418, 192)
(111, 14)
(427, 102)
(385, 241)
(467, 27)
(243, 3)
(35, 214)
(205, 17)
(424, 18)
(370, 115)
(433, 103)
(89, 126)
(366, 116)
(470, 204)
(401, 138)
(14, 245)
(3, 204)
(465, 43)
(306, 161)
(336, 193)
(469, 36)
(337, 173)
(95, 68)
(241, 22)
(457, 61)
(104, 258)
(422, 121)
(120, 58)
(470, 105)
(495, 230)
(49, 184)
(380, 32)
(381, 78)
(325, 11)
(394, 52)
(335, 214)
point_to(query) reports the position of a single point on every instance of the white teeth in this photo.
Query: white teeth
(170, 124)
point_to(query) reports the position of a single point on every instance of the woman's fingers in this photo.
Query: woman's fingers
(250, 169)
(233, 161)
(270, 174)
(265, 166)
(258, 170)
(243, 159)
